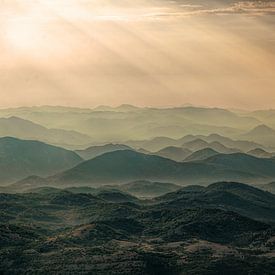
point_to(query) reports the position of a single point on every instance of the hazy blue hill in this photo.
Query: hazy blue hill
(95, 151)
(217, 146)
(121, 108)
(262, 134)
(25, 129)
(216, 141)
(246, 163)
(265, 116)
(154, 144)
(200, 144)
(22, 158)
(242, 145)
(201, 154)
(213, 116)
(108, 124)
(195, 145)
(126, 166)
(261, 130)
(148, 188)
(260, 153)
(174, 153)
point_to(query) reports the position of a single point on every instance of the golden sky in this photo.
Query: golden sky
(93, 52)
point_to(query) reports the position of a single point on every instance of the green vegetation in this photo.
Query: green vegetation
(114, 233)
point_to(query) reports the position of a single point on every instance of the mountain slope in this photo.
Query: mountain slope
(174, 153)
(199, 144)
(240, 198)
(95, 151)
(126, 166)
(25, 129)
(260, 153)
(22, 158)
(245, 163)
(202, 154)
(261, 134)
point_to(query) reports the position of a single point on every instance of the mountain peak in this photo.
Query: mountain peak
(262, 129)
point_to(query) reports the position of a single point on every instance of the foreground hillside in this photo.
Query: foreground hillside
(61, 232)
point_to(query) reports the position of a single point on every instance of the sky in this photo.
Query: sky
(142, 52)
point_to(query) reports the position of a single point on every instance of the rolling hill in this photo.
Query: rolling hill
(174, 153)
(181, 233)
(260, 153)
(95, 151)
(199, 144)
(240, 198)
(23, 158)
(25, 129)
(201, 154)
(242, 162)
(126, 166)
(261, 134)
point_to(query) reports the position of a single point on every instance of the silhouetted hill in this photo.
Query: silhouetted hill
(95, 151)
(174, 153)
(195, 145)
(202, 154)
(242, 145)
(199, 144)
(245, 163)
(126, 166)
(22, 158)
(262, 134)
(260, 153)
(154, 144)
(25, 129)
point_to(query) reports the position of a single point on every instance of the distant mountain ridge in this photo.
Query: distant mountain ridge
(202, 154)
(25, 129)
(202, 141)
(126, 166)
(174, 153)
(262, 134)
(95, 151)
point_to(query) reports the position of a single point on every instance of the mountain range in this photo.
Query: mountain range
(24, 129)
(195, 230)
(126, 166)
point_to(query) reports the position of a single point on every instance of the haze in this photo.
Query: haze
(94, 52)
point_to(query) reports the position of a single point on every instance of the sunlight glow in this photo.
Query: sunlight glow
(23, 35)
